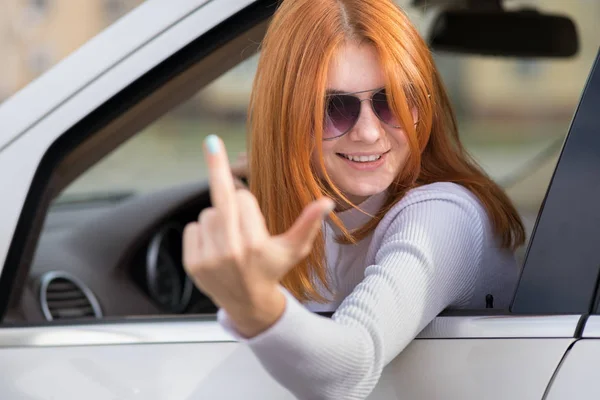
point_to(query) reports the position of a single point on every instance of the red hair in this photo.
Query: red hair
(287, 111)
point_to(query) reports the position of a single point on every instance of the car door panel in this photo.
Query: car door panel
(577, 377)
(465, 357)
(468, 369)
(174, 371)
(189, 359)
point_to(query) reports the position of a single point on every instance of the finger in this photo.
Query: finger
(299, 238)
(252, 221)
(222, 189)
(212, 234)
(192, 244)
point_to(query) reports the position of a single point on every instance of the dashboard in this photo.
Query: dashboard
(122, 253)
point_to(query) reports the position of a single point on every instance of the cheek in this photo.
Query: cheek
(401, 142)
(328, 152)
(400, 137)
(400, 150)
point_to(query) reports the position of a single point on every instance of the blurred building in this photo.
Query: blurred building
(36, 34)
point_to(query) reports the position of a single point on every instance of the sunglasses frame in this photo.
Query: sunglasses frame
(370, 99)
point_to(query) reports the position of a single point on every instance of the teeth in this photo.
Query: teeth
(362, 158)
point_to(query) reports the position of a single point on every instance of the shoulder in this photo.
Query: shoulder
(441, 211)
(440, 231)
(444, 191)
(437, 198)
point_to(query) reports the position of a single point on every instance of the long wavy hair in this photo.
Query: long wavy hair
(286, 115)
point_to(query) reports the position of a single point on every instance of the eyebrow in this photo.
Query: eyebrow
(331, 92)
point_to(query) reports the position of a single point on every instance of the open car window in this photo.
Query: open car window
(130, 179)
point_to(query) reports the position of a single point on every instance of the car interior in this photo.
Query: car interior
(117, 254)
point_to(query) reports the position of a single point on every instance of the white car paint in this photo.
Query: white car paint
(442, 369)
(577, 377)
(198, 360)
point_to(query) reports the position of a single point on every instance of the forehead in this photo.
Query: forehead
(355, 67)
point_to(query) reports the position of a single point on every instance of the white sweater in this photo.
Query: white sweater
(433, 250)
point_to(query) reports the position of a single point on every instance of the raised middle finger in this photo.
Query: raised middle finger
(222, 189)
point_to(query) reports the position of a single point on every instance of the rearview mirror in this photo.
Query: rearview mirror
(523, 33)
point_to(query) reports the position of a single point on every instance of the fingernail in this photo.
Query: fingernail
(212, 144)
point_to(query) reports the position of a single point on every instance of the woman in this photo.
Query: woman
(347, 105)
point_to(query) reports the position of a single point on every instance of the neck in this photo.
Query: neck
(342, 205)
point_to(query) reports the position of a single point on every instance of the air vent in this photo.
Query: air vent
(63, 297)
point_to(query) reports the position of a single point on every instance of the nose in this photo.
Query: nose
(368, 128)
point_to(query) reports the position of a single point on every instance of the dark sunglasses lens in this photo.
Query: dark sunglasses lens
(341, 114)
(383, 110)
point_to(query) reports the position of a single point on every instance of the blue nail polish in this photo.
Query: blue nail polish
(212, 144)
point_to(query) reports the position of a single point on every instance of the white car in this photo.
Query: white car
(93, 298)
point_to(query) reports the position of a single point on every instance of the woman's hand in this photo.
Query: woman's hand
(231, 256)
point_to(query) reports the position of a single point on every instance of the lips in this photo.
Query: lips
(362, 157)
(364, 162)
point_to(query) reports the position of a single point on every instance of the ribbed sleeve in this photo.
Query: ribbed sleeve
(426, 259)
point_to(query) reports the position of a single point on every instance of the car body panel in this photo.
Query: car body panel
(427, 369)
(153, 372)
(473, 369)
(183, 359)
(577, 377)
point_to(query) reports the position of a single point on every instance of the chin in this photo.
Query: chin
(360, 191)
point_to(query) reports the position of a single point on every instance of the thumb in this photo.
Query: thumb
(299, 238)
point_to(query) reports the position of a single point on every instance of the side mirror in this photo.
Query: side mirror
(523, 33)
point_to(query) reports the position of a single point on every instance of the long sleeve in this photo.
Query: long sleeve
(428, 259)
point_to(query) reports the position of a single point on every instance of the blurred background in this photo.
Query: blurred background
(513, 113)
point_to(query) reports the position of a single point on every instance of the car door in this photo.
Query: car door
(459, 356)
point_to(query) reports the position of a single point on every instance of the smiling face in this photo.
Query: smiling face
(366, 159)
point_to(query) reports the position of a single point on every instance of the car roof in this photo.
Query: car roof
(40, 97)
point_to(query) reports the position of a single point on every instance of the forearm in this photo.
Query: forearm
(316, 357)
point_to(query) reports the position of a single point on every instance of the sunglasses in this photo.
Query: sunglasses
(342, 111)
